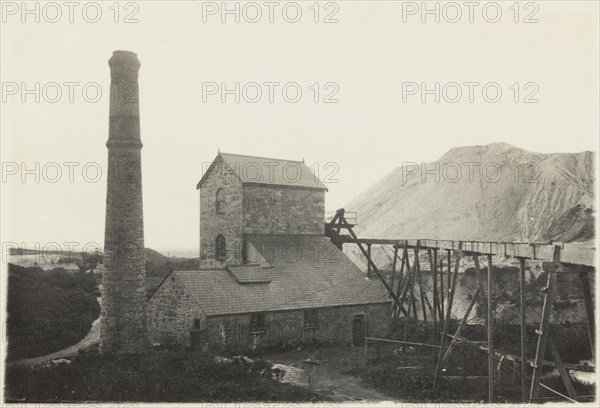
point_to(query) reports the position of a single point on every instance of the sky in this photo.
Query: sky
(361, 68)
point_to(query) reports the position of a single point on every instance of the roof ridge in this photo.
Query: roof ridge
(245, 265)
(285, 233)
(261, 157)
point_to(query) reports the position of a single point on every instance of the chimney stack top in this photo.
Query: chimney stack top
(124, 63)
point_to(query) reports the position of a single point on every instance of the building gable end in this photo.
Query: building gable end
(217, 159)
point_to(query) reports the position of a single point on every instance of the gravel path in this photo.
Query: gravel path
(92, 338)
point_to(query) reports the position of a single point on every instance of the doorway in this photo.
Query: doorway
(358, 338)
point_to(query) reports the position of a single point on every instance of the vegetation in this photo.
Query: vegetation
(54, 309)
(464, 379)
(156, 377)
(48, 310)
(158, 266)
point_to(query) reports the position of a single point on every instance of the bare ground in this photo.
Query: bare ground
(328, 377)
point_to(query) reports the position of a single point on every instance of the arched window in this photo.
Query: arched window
(220, 248)
(220, 201)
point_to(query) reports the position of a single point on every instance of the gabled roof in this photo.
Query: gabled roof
(307, 271)
(267, 171)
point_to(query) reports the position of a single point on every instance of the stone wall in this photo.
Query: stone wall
(228, 223)
(171, 313)
(283, 210)
(288, 327)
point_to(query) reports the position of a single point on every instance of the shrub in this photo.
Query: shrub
(48, 310)
(156, 377)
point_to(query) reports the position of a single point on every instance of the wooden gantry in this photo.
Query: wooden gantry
(404, 282)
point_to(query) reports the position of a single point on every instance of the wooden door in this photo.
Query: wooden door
(358, 331)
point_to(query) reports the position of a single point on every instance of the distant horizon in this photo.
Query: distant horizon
(178, 252)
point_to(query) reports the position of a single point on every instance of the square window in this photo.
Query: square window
(257, 322)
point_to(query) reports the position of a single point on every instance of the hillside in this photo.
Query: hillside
(48, 310)
(549, 198)
(496, 192)
(150, 255)
(158, 266)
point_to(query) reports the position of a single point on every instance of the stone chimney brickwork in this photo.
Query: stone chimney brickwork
(123, 327)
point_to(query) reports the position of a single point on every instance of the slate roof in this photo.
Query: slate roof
(267, 171)
(253, 273)
(307, 271)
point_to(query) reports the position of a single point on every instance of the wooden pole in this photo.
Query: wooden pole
(368, 261)
(545, 324)
(435, 300)
(405, 288)
(394, 266)
(413, 299)
(589, 311)
(482, 285)
(523, 331)
(409, 343)
(420, 282)
(441, 286)
(404, 265)
(564, 374)
(436, 303)
(451, 289)
(490, 319)
(449, 252)
(410, 307)
(423, 292)
(400, 283)
(405, 262)
(462, 324)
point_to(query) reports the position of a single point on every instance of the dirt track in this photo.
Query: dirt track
(92, 338)
(327, 377)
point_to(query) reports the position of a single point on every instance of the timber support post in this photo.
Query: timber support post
(368, 260)
(394, 262)
(542, 333)
(441, 287)
(523, 336)
(462, 323)
(344, 223)
(589, 311)
(451, 289)
(490, 332)
(400, 286)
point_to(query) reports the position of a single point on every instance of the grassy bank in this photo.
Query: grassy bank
(48, 310)
(152, 377)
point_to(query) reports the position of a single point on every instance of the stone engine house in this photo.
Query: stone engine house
(268, 275)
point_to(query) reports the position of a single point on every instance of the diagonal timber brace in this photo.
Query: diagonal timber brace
(340, 216)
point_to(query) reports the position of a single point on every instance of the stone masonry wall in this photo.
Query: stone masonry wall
(283, 210)
(229, 223)
(335, 324)
(171, 313)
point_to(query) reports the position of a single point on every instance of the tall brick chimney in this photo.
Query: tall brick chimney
(123, 326)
